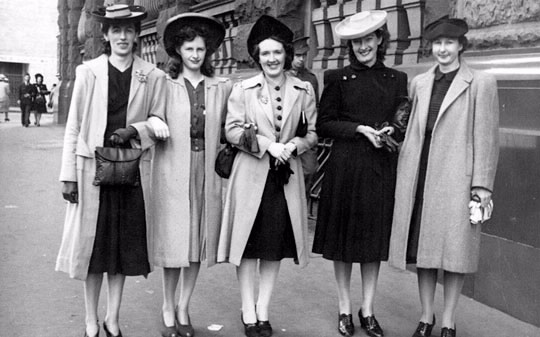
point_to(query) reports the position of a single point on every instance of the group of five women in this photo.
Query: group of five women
(176, 223)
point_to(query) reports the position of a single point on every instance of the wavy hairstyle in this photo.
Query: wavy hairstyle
(287, 46)
(381, 49)
(106, 46)
(185, 34)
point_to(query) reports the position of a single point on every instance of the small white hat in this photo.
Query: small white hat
(360, 24)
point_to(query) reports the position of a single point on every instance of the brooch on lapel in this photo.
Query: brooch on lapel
(141, 76)
(263, 99)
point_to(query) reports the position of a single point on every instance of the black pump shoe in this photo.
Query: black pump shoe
(109, 334)
(424, 329)
(184, 330)
(345, 325)
(265, 328)
(371, 325)
(250, 329)
(447, 332)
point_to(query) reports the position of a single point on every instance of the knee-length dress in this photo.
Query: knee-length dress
(120, 245)
(354, 215)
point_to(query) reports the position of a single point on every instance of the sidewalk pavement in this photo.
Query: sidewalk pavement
(37, 301)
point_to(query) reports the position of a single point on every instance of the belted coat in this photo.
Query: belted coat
(249, 103)
(463, 154)
(85, 130)
(170, 204)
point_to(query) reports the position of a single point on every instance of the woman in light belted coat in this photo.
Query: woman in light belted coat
(265, 212)
(448, 158)
(116, 97)
(186, 191)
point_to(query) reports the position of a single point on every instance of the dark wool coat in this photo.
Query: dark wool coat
(463, 154)
(355, 210)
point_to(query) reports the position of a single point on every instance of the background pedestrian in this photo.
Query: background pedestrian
(4, 96)
(27, 92)
(40, 103)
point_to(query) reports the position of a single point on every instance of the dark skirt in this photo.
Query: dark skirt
(120, 243)
(354, 216)
(271, 237)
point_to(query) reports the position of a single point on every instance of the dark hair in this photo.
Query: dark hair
(105, 29)
(287, 46)
(38, 75)
(186, 34)
(381, 48)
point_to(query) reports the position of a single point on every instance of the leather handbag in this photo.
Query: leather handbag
(117, 166)
(302, 128)
(225, 160)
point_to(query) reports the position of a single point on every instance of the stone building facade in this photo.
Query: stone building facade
(504, 40)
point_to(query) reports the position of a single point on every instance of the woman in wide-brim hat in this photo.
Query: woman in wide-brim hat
(355, 208)
(116, 97)
(186, 191)
(265, 212)
(448, 159)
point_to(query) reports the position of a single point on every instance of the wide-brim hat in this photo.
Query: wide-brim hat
(120, 14)
(360, 24)
(300, 45)
(265, 27)
(215, 29)
(446, 27)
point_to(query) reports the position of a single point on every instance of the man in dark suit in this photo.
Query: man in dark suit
(27, 93)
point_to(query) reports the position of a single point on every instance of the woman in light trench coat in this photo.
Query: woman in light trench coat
(449, 157)
(116, 98)
(265, 216)
(186, 191)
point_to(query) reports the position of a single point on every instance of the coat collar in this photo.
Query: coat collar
(424, 88)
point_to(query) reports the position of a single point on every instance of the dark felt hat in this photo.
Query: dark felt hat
(120, 14)
(301, 45)
(215, 29)
(447, 27)
(266, 27)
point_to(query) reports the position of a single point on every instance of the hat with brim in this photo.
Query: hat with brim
(300, 45)
(265, 28)
(120, 14)
(446, 27)
(214, 28)
(360, 24)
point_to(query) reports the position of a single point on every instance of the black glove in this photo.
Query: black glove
(122, 135)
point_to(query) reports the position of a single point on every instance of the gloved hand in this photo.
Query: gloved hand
(122, 135)
(70, 191)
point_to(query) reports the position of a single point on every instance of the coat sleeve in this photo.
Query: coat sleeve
(156, 108)
(328, 123)
(485, 132)
(310, 139)
(68, 171)
(236, 118)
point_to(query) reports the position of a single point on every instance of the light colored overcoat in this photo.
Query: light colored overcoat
(85, 129)
(463, 154)
(250, 103)
(170, 204)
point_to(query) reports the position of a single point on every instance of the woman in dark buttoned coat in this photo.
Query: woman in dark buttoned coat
(40, 103)
(265, 212)
(355, 210)
(449, 157)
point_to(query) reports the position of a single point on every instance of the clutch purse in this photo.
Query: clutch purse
(225, 161)
(117, 166)
(302, 128)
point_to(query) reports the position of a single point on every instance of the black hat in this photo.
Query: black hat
(211, 24)
(120, 14)
(300, 45)
(446, 27)
(266, 27)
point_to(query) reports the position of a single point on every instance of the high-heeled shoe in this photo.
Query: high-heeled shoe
(424, 329)
(447, 332)
(265, 328)
(184, 330)
(345, 325)
(250, 329)
(109, 334)
(370, 325)
(167, 331)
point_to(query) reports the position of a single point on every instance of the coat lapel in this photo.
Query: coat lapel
(423, 92)
(264, 100)
(139, 75)
(100, 68)
(460, 83)
(291, 95)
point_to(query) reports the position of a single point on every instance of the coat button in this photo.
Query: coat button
(279, 117)
(277, 87)
(278, 129)
(278, 99)
(279, 107)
